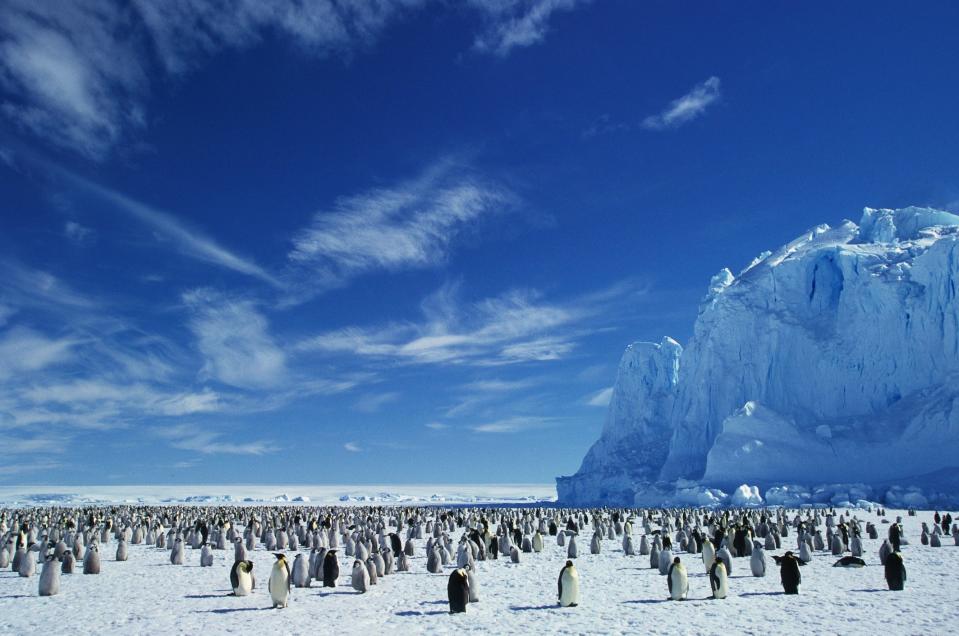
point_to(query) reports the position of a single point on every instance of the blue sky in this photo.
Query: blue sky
(374, 241)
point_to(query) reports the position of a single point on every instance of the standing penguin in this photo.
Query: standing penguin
(361, 577)
(709, 554)
(568, 586)
(241, 578)
(50, 576)
(67, 565)
(458, 591)
(572, 551)
(895, 572)
(884, 551)
(718, 580)
(91, 561)
(727, 559)
(122, 554)
(301, 571)
(677, 581)
(331, 569)
(434, 564)
(473, 582)
(26, 565)
(757, 561)
(789, 572)
(176, 553)
(206, 556)
(279, 583)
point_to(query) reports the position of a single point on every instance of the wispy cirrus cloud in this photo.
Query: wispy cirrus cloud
(352, 447)
(686, 108)
(519, 424)
(518, 326)
(192, 438)
(235, 340)
(78, 74)
(601, 397)
(410, 225)
(374, 402)
(512, 24)
(188, 241)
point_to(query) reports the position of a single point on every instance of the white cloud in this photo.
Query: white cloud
(514, 425)
(516, 23)
(78, 74)
(436, 426)
(686, 108)
(353, 447)
(23, 350)
(72, 72)
(371, 403)
(234, 337)
(518, 326)
(191, 438)
(188, 241)
(601, 397)
(407, 226)
(77, 233)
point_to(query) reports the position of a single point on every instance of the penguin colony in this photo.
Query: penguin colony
(379, 542)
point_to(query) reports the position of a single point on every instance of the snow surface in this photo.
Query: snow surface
(829, 364)
(315, 494)
(620, 594)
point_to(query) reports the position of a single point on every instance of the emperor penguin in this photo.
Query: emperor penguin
(360, 579)
(122, 553)
(27, 565)
(91, 561)
(805, 554)
(935, 541)
(67, 564)
(241, 578)
(757, 562)
(677, 581)
(718, 580)
(665, 559)
(537, 542)
(206, 556)
(568, 586)
(595, 545)
(855, 546)
(895, 571)
(176, 553)
(789, 573)
(50, 576)
(458, 590)
(331, 569)
(513, 554)
(628, 547)
(572, 552)
(402, 562)
(709, 554)
(433, 563)
(301, 571)
(371, 568)
(473, 582)
(279, 583)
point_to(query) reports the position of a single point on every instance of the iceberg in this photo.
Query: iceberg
(825, 371)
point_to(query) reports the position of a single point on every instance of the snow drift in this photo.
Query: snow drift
(833, 360)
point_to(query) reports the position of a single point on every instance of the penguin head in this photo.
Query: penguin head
(279, 556)
(569, 564)
(676, 560)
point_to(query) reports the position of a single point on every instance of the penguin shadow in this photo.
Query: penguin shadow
(761, 594)
(527, 608)
(412, 613)
(344, 592)
(648, 601)
(877, 589)
(17, 596)
(434, 602)
(208, 595)
(230, 610)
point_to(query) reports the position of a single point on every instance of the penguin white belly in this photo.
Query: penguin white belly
(720, 583)
(570, 594)
(244, 583)
(680, 584)
(279, 585)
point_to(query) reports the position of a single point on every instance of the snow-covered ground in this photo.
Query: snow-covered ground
(619, 595)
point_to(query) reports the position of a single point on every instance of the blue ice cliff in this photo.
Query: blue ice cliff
(826, 371)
